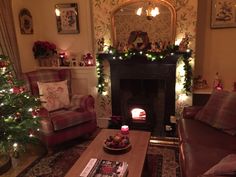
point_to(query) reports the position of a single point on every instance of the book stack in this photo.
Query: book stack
(105, 168)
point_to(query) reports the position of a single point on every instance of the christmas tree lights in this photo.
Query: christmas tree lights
(18, 111)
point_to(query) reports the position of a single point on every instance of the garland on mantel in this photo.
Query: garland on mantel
(151, 56)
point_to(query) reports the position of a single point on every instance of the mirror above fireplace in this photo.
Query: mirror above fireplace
(161, 27)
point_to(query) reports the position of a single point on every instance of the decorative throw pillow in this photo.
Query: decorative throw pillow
(227, 115)
(54, 95)
(219, 112)
(227, 166)
(210, 111)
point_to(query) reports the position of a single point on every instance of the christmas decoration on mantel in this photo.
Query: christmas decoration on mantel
(18, 112)
(112, 54)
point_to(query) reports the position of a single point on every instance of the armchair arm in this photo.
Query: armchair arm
(45, 121)
(43, 112)
(191, 111)
(87, 103)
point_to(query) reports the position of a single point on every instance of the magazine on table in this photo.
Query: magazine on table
(105, 168)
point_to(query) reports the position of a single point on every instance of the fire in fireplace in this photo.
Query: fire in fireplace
(138, 114)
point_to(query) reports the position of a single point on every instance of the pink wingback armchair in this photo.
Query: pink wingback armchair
(63, 124)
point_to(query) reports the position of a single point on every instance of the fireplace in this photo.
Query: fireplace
(143, 92)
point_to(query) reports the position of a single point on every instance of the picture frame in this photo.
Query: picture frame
(25, 21)
(67, 18)
(223, 13)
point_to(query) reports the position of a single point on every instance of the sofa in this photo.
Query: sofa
(207, 137)
(70, 117)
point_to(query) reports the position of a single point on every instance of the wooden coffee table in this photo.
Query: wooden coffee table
(135, 157)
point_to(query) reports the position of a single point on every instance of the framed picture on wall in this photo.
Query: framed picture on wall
(26, 22)
(67, 18)
(223, 13)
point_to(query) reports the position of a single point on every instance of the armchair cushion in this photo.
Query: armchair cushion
(54, 95)
(65, 118)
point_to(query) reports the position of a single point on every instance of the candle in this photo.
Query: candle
(125, 129)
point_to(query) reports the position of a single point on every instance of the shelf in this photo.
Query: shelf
(68, 67)
(202, 91)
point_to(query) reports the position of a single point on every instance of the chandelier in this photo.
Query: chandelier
(151, 11)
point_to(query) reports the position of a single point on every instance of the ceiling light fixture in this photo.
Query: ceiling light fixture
(151, 11)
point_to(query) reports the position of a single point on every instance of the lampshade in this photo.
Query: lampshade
(151, 11)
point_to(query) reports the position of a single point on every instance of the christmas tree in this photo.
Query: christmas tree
(18, 111)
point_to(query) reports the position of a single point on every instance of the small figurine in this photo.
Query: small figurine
(183, 46)
(199, 82)
(153, 47)
(100, 44)
(120, 47)
(217, 83)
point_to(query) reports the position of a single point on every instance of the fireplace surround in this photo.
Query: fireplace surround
(148, 85)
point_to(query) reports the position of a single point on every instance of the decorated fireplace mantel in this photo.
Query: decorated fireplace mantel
(144, 66)
(183, 82)
(167, 57)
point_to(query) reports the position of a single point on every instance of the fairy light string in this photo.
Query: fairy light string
(112, 54)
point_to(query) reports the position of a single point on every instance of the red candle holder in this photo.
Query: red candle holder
(124, 129)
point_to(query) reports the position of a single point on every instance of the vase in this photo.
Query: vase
(48, 62)
(5, 163)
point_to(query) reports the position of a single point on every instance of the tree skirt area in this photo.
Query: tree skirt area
(161, 162)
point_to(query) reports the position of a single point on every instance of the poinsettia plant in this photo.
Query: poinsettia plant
(44, 49)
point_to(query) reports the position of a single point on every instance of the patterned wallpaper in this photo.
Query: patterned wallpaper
(157, 28)
(102, 10)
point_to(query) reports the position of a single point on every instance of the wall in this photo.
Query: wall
(215, 49)
(44, 24)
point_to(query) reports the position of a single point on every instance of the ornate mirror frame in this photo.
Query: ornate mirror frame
(166, 3)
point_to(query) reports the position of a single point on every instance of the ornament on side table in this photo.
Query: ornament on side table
(88, 59)
(199, 82)
(217, 83)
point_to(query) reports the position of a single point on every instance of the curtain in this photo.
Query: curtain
(8, 41)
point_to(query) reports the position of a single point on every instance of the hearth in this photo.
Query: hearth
(146, 88)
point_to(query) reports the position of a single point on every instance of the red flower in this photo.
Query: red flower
(43, 49)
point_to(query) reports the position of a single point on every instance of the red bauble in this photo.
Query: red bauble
(3, 64)
(18, 90)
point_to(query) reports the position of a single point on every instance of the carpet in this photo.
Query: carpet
(161, 161)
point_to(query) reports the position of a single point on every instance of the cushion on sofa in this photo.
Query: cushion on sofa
(54, 95)
(226, 119)
(210, 111)
(227, 166)
(219, 111)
